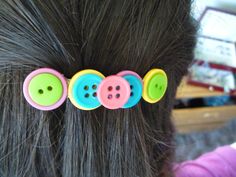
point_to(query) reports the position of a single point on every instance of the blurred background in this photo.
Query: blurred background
(200, 5)
(205, 109)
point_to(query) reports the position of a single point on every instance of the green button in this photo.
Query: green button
(45, 89)
(157, 86)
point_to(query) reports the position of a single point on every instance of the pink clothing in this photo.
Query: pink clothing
(219, 163)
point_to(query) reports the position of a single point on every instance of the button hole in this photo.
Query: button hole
(118, 96)
(131, 87)
(50, 88)
(131, 94)
(109, 97)
(94, 94)
(117, 87)
(40, 91)
(110, 88)
(86, 87)
(86, 95)
(94, 87)
(160, 88)
(156, 85)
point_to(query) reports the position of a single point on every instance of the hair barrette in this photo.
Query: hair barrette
(47, 89)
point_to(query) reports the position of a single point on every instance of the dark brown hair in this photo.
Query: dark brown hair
(105, 35)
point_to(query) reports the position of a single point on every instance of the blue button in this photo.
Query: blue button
(84, 91)
(136, 88)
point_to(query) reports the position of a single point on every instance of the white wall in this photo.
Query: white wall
(199, 5)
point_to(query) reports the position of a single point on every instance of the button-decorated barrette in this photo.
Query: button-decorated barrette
(47, 89)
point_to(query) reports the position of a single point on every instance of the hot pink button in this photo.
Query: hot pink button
(113, 92)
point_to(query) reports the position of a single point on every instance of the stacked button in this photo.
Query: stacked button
(113, 92)
(155, 85)
(83, 89)
(136, 87)
(45, 89)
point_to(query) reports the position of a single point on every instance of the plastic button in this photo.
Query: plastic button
(113, 92)
(136, 87)
(45, 89)
(83, 89)
(155, 85)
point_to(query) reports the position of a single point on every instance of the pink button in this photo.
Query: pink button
(128, 72)
(113, 92)
(43, 71)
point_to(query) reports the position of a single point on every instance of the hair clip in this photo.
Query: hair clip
(46, 89)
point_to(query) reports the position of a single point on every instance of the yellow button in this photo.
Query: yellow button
(155, 85)
(82, 90)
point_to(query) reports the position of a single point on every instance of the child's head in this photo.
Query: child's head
(105, 35)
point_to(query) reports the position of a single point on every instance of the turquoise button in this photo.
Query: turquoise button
(136, 88)
(85, 91)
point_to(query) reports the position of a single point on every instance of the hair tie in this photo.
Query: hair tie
(47, 89)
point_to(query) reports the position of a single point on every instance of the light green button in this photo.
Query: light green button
(45, 89)
(157, 86)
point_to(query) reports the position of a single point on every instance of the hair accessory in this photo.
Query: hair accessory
(155, 85)
(46, 89)
(83, 89)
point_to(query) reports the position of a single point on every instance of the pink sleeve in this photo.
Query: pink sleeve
(219, 163)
